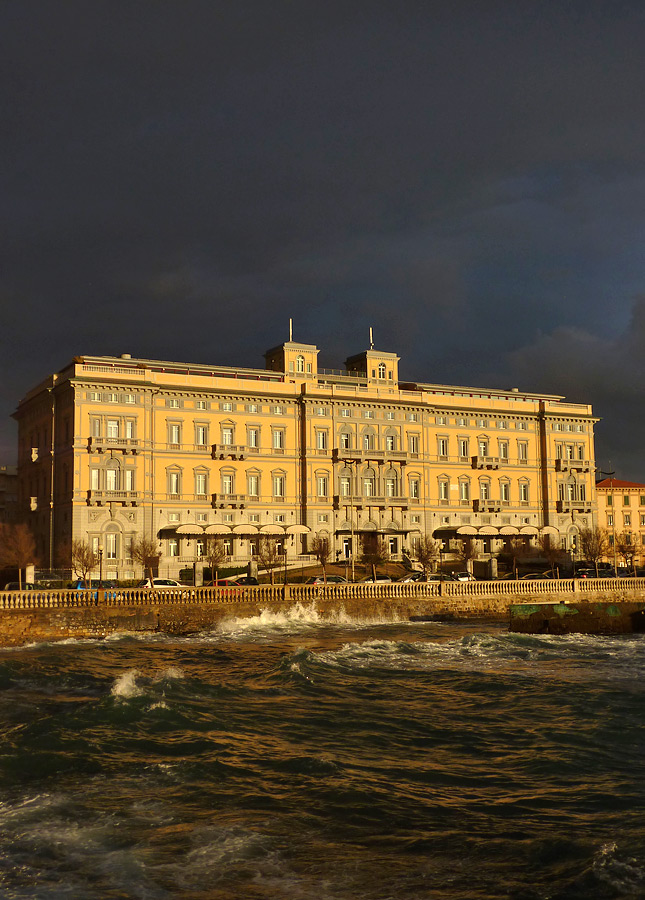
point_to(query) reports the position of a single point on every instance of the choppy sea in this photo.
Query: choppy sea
(282, 757)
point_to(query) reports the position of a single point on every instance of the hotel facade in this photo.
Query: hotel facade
(115, 448)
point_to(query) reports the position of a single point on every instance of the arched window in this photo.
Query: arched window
(369, 483)
(381, 370)
(300, 364)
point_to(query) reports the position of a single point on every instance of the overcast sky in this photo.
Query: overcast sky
(179, 178)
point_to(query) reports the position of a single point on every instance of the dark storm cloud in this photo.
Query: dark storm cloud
(180, 178)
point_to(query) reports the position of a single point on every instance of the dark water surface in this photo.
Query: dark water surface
(284, 758)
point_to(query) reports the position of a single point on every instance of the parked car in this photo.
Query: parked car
(380, 579)
(462, 576)
(244, 581)
(15, 586)
(159, 583)
(416, 577)
(331, 579)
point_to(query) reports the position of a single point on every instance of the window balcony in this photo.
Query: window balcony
(571, 465)
(480, 505)
(568, 506)
(485, 462)
(340, 455)
(228, 451)
(125, 498)
(234, 501)
(101, 444)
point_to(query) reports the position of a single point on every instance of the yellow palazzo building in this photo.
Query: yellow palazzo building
(112, 448)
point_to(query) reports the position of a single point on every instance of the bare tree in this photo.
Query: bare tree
(375, 552)
(214, 554)
(144, 551)
(550, 550)
(626, 548)
(321, 550)
(594, 545)
(426, 552)
(467, 549)
(269, 553)
(84, 559)
(516, 548)
(17, 548)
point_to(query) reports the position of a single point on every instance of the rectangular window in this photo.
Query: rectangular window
(252, 408)
(322, 483)
(412, 417)
(522, 451)
(610, 499)
(442, 447)
(254, 485)
(368, 487)
(462, 422)
(503, 449)
(484, 490)
(441, 420)
(463, 447)
(390, 487)
(345, 441)
(94, 479)
(174, 434)
(502, 423)
(172, 402)
(627, 518)
(96, 427)
(389, 415)
(129, 429)
(626, 500)
(344, 485)
(482, 447)
(278, 486)
(254, 437)
(112, 429)
(482, 423)
(323, 518)
(278, 439)
(505, 491)
(610, 519)
(278, 410)
(345, 413)
(415, 488)
(368, 414)
(413, 443)
(464, 490)
(129, 479)
(227, 484)
(111, 479)
(201, 435)
(321, 440)
(321, 411)
(200, 404)
(173, 547)
(200, 484)
(227, 436)
(444, 490)
(227, 407)
(524, 492)
(110, 546)
(173, 483)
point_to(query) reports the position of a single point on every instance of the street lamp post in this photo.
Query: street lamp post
(100, 567)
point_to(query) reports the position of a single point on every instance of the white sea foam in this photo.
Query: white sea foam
(126, 687)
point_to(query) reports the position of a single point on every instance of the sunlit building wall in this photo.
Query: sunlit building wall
(112, 448)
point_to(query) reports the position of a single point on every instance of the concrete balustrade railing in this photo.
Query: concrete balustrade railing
(517, 591)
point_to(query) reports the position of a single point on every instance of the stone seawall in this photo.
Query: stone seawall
(35, 616)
